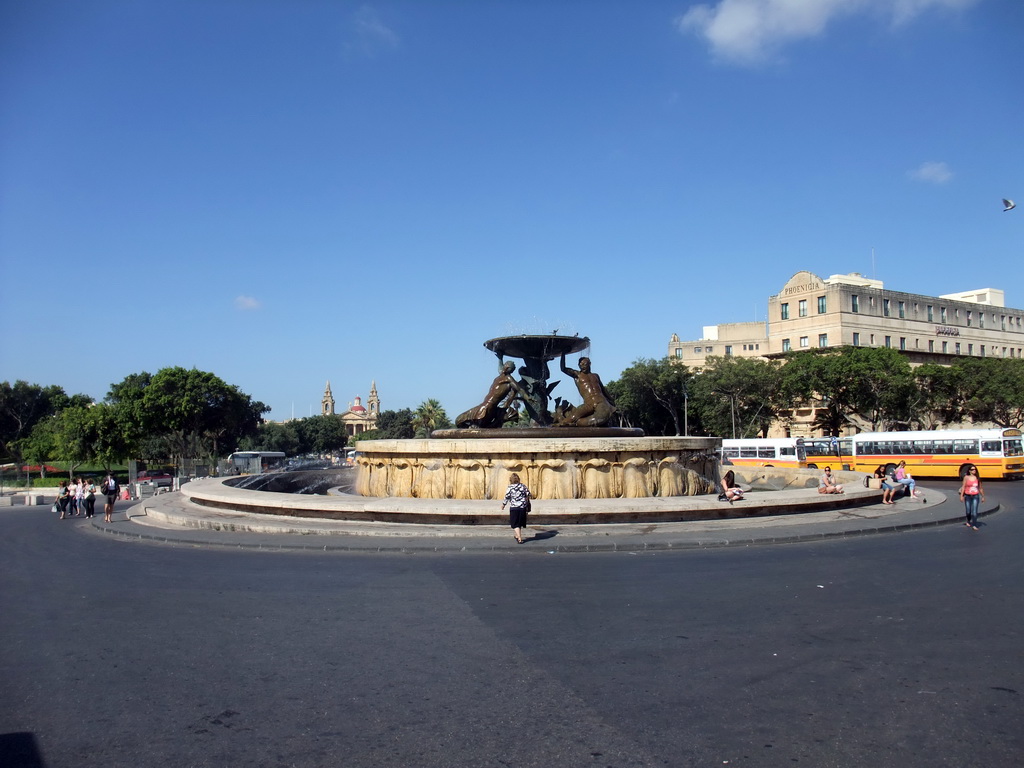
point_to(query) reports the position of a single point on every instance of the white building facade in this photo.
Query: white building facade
(852, 310)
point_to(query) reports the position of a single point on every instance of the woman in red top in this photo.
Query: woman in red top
(970, 491)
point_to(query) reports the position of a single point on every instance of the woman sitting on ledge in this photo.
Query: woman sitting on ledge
(828, 484)
(730, 491)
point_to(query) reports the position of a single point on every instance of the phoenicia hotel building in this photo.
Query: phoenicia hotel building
(853, 310)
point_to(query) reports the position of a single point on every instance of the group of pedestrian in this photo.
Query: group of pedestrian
(895, 480)
(518, 496)
(78, 497)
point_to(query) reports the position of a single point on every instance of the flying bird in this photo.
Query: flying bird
(1010, 205)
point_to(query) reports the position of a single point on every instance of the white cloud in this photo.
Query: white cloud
(750, 31)
(371, 35)
(247, 303)
(932, 173)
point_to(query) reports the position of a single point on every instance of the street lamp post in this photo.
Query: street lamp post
(686, 412)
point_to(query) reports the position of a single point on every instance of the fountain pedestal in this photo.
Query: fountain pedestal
(554, 467)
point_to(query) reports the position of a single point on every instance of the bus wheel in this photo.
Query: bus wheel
(770, 465)
(812, 466)
(963, 470)
(889, 469)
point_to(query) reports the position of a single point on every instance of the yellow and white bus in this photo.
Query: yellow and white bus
(997, 453)
(765, 452)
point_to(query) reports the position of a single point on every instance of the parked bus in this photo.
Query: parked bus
(833, 452)
(253, 462)
(767, 452)
(997, 453)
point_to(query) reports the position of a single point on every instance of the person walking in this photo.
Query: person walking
(90, 498)
(79, 491)
(517, 497)
(63, 499)
(971, 491)
(110, 491)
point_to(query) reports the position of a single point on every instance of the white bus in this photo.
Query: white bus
(253, 462)
(765, 452)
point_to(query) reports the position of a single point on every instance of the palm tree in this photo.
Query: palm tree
(429, 416)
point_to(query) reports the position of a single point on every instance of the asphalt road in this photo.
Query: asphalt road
(889, 650)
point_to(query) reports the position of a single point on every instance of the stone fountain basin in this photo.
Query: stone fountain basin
(552, 467)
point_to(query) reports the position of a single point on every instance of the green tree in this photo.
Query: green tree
(652, 395)
(193, 414)
(741, 396)
(22, 407)
(321, 434)
(428, 417)
(392, 425)
(991, 389)
(872, 384)
(272, 436)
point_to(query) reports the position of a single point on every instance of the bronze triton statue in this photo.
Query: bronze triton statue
(597, 408)
(498, 405)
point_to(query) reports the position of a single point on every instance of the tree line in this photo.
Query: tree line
(176, 416)
(870, 388)
(182, 416)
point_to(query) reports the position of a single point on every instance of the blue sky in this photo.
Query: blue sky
(284, 193)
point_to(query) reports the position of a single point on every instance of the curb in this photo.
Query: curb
(659, 542)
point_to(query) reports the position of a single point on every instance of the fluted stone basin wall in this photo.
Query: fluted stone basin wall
(552, 468)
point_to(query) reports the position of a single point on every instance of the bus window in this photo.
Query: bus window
(748, 452)
(731, 452)
(766, 452)
(1013, 448)
(787, 450)
(965, 446)
(991, 446)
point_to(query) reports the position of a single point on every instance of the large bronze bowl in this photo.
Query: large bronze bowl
(537, 347)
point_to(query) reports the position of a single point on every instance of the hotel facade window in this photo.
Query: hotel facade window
(786, 347)
(822, 339)
(803, 308)
(888, 341)
(822, 305)
(803, 342)
(784, 311)
(855, 303)
(903, 343)
(903, 309)
(856, 339)
(885, 307)
(728, 350)
(942, 315)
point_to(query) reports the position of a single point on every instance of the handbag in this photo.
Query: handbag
(55, 507)
(873, 482)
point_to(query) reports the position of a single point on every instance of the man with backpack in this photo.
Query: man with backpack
(110, 490)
